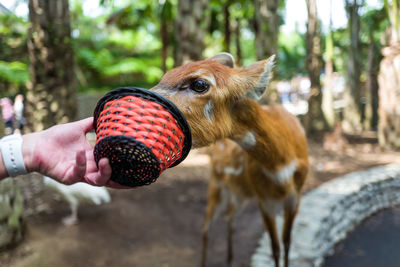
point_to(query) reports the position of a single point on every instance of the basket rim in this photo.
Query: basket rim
(150, 95)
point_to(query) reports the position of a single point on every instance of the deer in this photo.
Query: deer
(219, 101)
(228, 189)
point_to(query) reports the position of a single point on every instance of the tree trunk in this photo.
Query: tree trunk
(393, 10)
(371, 108)
(165, 42)
(190, 30)
(314, 120)
(51, 95)
(237, 42)
(327, 96)
(227, 27)
(389, 98)
(353, 111)
(166, 23)
(266, 27)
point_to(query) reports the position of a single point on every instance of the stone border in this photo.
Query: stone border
(332, 210)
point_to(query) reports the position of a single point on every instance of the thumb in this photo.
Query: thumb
(86, 124)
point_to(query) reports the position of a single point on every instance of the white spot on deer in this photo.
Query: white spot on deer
(208, 110)
(233, 171)
(198, 73)
(211, 79)
(284, 174)
(221, 146)
(248, 141)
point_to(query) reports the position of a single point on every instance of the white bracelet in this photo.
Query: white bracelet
(11, 150)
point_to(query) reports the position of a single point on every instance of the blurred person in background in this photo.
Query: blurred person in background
(7, 112)
(19, 113)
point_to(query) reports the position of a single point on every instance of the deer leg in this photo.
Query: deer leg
(230, 215)
(214, 198)
(268, 213)
(290, 210)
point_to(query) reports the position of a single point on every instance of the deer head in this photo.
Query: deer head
(212, 94)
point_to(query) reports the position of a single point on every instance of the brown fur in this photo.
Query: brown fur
(280, 142)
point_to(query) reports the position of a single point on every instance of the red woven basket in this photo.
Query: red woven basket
(141, 133)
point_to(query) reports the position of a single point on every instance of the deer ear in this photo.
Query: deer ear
(224, 59)
(261, 72)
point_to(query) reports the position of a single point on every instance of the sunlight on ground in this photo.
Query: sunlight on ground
(196, 157)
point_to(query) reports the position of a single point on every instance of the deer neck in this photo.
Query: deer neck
(263, 137)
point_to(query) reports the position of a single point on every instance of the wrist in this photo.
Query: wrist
(12, 156)
(28, 152)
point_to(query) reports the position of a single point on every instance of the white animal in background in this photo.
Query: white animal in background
(78, 193)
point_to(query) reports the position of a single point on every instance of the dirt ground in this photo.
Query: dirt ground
(160, 225)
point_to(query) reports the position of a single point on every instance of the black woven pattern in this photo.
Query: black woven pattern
(132, 163)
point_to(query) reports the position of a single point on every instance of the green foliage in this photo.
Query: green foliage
(291, 55)
(15, 73)
(341, 43)
(13, 54)
(375, 22)
(121, 45)
(131, 17)
(105, 67)
(124, 49)
(12, 38)
(135, 65)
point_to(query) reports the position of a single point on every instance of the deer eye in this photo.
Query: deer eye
(199, 86)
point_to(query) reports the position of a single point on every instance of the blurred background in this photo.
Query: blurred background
(338, 64)
(329, 52)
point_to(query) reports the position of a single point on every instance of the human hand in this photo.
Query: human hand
(63, 153)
